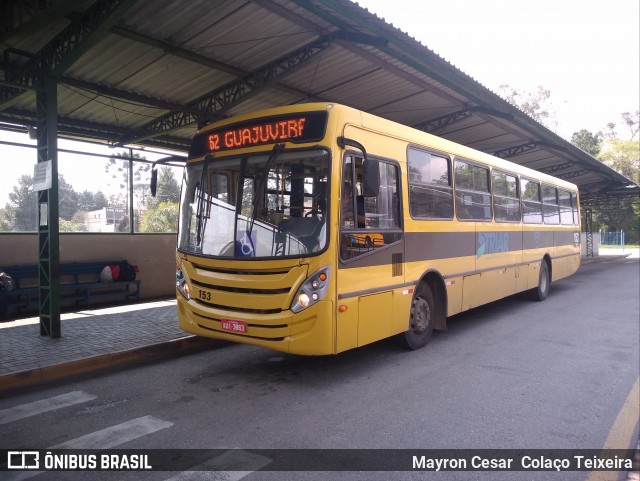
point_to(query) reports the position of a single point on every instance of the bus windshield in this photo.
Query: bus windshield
(272, 204)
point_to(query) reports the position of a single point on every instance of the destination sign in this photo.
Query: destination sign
(297, 127)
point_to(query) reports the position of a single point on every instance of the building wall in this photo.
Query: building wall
(154, 254)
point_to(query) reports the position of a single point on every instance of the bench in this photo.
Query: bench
(79, 281)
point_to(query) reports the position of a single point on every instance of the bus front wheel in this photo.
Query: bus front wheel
(541, 292)
(421, 320)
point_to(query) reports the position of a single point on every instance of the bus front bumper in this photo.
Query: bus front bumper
(309, 332)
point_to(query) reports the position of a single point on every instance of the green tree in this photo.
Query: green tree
(623, 156)
(67, 199)
(587, 141)
(71, 226)
(168, 189)
(536, 105)
(117, 167)
(88, 201)
(630, 120)
(162, 218)
(620, 215)
(19, 214)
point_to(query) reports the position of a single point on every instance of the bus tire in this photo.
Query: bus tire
(541, 292)
(421, 320)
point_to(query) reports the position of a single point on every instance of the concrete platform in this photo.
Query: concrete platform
(92, 341)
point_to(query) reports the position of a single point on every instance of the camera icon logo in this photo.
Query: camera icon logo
(23, 460)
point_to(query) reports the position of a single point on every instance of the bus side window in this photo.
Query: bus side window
(531, 204)
(430, 193)
(377, 218)
(550, 207)
(574, 206)
(506, 204)
(473, 197)
(566, 211)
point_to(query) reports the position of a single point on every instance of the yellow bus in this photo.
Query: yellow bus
(317, 228)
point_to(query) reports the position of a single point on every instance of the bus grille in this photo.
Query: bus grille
(263, 291)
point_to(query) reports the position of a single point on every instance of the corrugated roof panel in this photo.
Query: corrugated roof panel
(245, 37)
(159, 80)
(40, 37)
(417, 108)
(337, 67)
(419, 74)
(147, 70)
(177, 19)
(373, 90)
(113, 60)
(264, 100)
(103, 110)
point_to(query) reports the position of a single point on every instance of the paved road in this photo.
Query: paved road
(514, 374)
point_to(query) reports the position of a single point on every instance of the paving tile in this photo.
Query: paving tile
(86, 334)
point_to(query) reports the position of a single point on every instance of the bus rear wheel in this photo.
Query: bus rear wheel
(541, 292)
(421, 320)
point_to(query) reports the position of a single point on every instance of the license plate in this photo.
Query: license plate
(234, 326)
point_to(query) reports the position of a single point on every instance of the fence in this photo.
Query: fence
(613, 239)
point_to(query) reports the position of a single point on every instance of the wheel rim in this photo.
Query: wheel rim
(420, 316)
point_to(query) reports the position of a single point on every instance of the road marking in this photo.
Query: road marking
(116, 435)
(216, 469)
(621, 433)
(103, 439)
(44, 405)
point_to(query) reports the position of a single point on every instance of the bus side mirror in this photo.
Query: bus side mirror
(370, 168)
(154, 182)
(371, 177)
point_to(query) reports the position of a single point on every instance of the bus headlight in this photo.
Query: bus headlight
(312, 290)
(181, 283)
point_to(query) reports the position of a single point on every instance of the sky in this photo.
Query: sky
(585, 52)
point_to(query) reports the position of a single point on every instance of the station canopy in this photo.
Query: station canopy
(149, 73)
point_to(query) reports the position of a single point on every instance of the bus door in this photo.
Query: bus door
(370, 253)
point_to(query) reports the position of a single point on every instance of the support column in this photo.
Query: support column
(48, 221)
(588, 228)
(130, 187)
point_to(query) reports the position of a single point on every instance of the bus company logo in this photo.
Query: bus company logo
(492, 242)
(23, 460)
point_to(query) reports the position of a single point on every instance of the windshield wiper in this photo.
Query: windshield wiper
(201, 200)
(277, 148)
